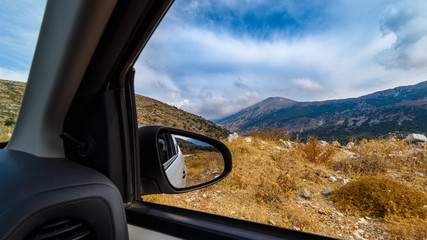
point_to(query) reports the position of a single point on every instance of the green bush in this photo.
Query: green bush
(9, 122)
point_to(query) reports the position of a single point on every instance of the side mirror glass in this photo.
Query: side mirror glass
(189, 162)
(176, 161)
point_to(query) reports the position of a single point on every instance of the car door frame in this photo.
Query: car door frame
(109, 77)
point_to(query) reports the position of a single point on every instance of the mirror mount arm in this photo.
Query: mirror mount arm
(149, 186)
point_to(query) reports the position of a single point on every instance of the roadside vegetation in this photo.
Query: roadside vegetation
(11, 93)
(370, 189)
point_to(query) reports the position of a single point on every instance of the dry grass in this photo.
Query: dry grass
(317, 153)
(203, 167)
(381, 197)
(266, 183)
(407, 228)
(273, 134)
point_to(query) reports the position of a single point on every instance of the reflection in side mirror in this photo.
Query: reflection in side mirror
(189, 162)
(176, 161)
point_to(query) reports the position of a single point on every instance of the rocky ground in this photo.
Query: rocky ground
(274, 183)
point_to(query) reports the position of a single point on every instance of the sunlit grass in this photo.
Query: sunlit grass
(267, 181)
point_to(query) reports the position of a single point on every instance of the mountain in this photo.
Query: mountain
(150, 112)
(401, 109)
(153, 112)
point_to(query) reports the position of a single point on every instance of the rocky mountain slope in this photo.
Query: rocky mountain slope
(401, 109)
(153, 112)
(150, 112)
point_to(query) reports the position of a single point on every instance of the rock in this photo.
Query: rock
(264, 142)
(323, 211)
(419, 174)
(279, 148)
(415, 138)
(327, 192)
(351, 154)
(322, 142)
(336, 144)
(332, 179)
(357, 236)
(204, 196)
(349, 146)
(271, 222)
(232, 212)
(287, 144)
(322, 173)
(248, 139)
(362, 221)
(232, 137)
(305, 194)
(343, 180)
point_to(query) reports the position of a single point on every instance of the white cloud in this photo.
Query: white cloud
(215, 107)
(307, 85)
(220, 73)
(407, 20)
(19, 27)
(7, 74)
(149, 78)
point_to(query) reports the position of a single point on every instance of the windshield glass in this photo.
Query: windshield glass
(323, 105)
(20, 23)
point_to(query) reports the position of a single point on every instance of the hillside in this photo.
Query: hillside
(375, 190)
(402, 110)
(150, 112)
(11, 93)
(153, 112)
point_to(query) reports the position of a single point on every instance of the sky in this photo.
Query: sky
(216, 57)
(20, 22)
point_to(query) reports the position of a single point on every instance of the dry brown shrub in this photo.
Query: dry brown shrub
(362, 164)
(268, 192)
(287, 182)
(380, 197)
(273, 134)
(317, 153)
(407, 229)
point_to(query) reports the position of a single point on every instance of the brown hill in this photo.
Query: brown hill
(150, 112)
(153, 112)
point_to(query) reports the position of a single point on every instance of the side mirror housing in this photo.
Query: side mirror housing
(176, 161)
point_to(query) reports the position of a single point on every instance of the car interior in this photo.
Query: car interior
(77, 164)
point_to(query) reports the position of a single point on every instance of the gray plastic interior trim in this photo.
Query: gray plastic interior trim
(68, 38)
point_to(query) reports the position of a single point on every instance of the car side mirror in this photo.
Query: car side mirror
(176, 161)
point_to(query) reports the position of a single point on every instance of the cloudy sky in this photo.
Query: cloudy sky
(213, 58)
(20, 22)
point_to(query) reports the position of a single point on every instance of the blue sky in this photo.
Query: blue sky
(20, 22)
(213, 58)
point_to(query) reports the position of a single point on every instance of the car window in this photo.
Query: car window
(321, 103)
(19, 26)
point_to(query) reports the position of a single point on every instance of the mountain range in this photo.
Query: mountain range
(399, 110)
